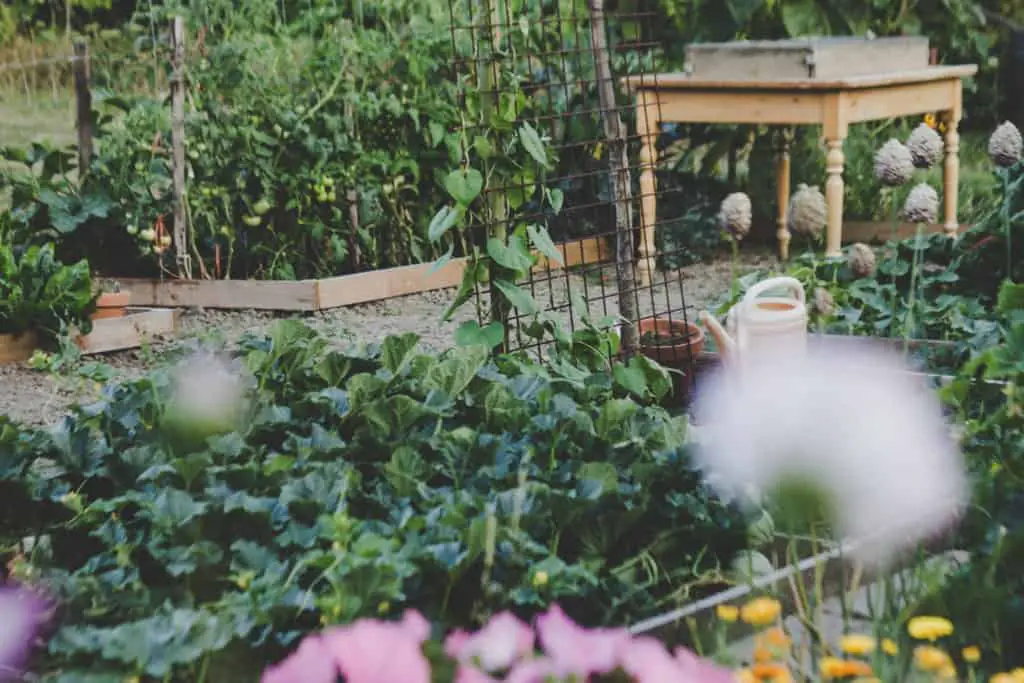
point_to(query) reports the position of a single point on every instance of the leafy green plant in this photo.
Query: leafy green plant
(39, 294)
(361, 483)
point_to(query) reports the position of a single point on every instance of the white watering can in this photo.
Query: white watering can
(756, 324)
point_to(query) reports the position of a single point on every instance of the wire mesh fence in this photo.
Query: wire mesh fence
(560, 66)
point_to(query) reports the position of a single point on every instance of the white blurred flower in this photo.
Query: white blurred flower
(208, 394)
(850, 422)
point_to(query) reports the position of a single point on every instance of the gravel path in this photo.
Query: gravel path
(39, 397)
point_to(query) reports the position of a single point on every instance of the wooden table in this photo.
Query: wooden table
(832, 104)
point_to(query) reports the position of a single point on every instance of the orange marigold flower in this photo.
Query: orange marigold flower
(834, 667)
(776, 637)
(771, 672)
(763, 654)
(761, 611)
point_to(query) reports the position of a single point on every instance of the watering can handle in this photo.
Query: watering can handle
(776, 282)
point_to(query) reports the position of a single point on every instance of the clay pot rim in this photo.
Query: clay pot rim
(693, 333)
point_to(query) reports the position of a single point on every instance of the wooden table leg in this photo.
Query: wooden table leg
(834, 197)
(782, 180)
(647, 130)
(951, 172)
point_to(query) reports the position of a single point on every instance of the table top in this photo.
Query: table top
(683, 81)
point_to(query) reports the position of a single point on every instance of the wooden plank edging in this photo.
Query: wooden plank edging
(333, 292)
(108, 334)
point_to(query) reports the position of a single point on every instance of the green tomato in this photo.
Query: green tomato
(251, 221)
(131, 230)
(225, 230)
(331, 196)
(327, 181)
(201, 147)
(193, 155)
(277, 129)
(261, 207)
(139, 167)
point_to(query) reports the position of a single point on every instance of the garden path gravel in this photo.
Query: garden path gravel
(40, 398)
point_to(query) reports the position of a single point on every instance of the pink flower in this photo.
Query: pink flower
(371, 651)
(576, 650)
(539, 670)
(497, 646)
(22, 612)
(647, 661)
(310, 663)
(704, 670)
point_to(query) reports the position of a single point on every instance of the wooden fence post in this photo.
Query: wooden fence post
(178, 146)
(83, 106)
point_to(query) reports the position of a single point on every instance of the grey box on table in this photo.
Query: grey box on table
(805, 58)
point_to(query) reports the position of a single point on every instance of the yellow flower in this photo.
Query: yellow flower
(1001, 678)
(728, 613)
(540, 579)
(745, 676)
(890, 647)
(857, 644)
(929, 120)
(971, 654)
(932, 659)
(761, 611)
(1017, 675)
(948, 672)
(869, 679)
(929, 628)
(834, 667)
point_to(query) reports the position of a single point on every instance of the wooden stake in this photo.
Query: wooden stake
(178, 147)
(83, 106)
(620, 188)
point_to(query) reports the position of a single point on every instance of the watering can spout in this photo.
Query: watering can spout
(726, 345)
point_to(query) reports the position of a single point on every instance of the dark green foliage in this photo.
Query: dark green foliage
(363, 483)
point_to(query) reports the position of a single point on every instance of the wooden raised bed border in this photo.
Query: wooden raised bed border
(108, 334)
(334, 292)
(881, 231)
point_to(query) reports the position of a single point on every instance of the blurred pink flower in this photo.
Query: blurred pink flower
(647, 661)
(496, 647)
(578, 651)
(370, 651)
(539, 670)
(697, 668)
(310, 663)
(22, 612)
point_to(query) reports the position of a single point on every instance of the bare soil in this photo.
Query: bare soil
(37, 397)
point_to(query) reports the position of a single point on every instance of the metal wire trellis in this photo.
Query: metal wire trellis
(563, 61)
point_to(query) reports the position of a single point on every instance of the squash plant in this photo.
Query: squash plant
(362, 483)
(39, 294)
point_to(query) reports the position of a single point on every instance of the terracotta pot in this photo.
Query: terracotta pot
(673, 344)
(111, 305)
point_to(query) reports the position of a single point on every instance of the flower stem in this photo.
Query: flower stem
(734, 289)
(913, 289)
(896, 252)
